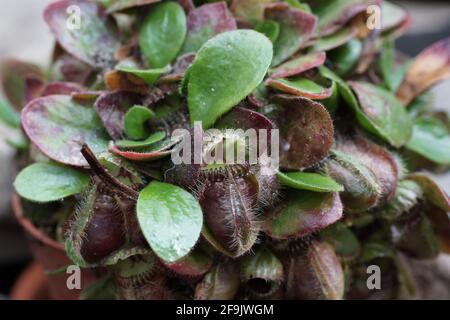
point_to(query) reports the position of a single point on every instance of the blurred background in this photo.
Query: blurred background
(24, 35)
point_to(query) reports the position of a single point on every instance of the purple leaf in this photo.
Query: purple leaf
(205, 22)
(59, 127)
(62, 88)
(296, 28)
(71, 69)
(112, 107)
(187, 5)
(92, 41)
(179, 69)
(306, 131)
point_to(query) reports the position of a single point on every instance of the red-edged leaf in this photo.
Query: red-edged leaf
(301, 87)
(433, 193)
(302, 213)
(179, 69)
(249, 10)
(158, 151)
(296, 28)
(187, 5)
(62, 88)
(335, 40)
(333, 15)
(429, 67)
(298, 65)
(382, 114)
(205, 22)
(242, 118)
(394, 18)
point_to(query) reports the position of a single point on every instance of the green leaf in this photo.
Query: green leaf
(19, 142)
(170, 218)
(150, 76)
(378, 110)
(162, 34)
(102, 289)
(344, 90)
(298, 5)
(334, 40)
(431, 139)
(121, 169)
(270, 28)
(302, 213)
(331, 103)
(227, 69)
(156, 137)
(309, 181)
(346, 57)
(46, 182)
(374, 250)
(344, 241)
(263, 264)
(302, 87)
(382, 114)
(8, 115)
(333, 15)
(135, 122)
(393, 74)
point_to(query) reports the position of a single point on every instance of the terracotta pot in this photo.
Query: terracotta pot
(51, 256)
(31, 285)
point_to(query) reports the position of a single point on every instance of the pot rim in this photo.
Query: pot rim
(30, 227)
